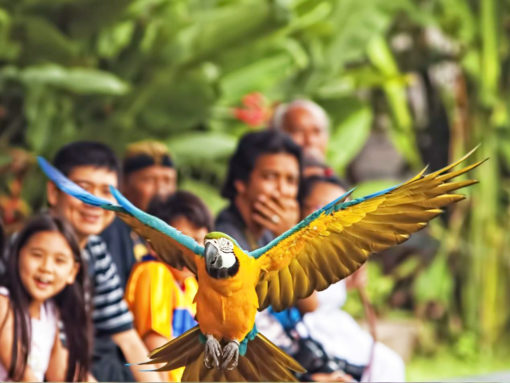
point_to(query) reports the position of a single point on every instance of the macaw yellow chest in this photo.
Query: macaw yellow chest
(226, 308)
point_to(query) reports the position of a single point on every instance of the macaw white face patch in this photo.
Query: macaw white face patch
(225, 252)
(225, 245)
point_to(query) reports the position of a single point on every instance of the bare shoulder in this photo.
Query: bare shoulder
(6, 314)
(5, 304)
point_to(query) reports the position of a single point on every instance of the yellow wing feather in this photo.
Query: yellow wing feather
(170, 250)
(336, 244)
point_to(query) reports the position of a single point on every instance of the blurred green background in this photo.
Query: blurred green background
(426, 79)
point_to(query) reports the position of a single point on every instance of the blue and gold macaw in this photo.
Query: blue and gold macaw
(325, 247)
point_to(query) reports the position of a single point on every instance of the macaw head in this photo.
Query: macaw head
(220, 260)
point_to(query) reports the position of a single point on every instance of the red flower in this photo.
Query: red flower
(254, 100)
(255, 112)
(252, 117)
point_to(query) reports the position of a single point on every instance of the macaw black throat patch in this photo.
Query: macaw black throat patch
(224, 272)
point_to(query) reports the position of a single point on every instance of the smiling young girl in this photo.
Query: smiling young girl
(44, 284)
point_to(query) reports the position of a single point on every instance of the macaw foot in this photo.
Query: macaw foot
(230, 355)
(212, 352)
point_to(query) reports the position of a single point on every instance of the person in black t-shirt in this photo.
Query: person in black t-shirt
(147, 171)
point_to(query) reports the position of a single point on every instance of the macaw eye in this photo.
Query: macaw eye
(226, 246)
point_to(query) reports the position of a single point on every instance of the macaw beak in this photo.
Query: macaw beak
(211, 255)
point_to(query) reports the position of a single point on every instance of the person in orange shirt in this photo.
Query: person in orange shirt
(159, 296)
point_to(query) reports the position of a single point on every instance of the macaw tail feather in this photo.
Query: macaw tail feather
(263, 361)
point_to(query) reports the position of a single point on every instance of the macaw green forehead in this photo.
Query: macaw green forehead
(218, 234)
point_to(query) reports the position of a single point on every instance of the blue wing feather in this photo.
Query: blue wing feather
(157, 223)
(331, 207)
(69, 187)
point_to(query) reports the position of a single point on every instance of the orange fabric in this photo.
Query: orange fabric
(152, 294)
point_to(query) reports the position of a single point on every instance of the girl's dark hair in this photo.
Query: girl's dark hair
(86, 153)
(250, 148)
(71, 304)
(2, 245)
(308, 184)
(2, 236)
(181, 204)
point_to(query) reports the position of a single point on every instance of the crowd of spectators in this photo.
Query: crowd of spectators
(83, 297)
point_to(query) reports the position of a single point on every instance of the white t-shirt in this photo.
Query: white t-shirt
(43, 336)
(333, 297)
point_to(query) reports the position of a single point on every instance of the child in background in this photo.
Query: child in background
(44, 283)
(159, 296)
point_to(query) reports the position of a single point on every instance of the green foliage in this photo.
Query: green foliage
(435, 283)
(379, 288)
(74, 80)
(466, 346)
(447, 364)
(369, 187)
(354, 128)
(124, 70)
(380, 285)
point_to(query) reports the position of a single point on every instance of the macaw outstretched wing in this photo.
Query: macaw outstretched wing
(336, 240)
(174, 247)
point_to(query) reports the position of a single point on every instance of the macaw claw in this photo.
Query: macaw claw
(230, 355)
(212, 352)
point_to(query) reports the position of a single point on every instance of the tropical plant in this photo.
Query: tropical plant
(119, 71)
(466, 54)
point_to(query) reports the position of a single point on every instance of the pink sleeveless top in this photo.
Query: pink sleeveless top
(43, 336)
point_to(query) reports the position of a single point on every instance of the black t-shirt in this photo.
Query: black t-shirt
(120, 244)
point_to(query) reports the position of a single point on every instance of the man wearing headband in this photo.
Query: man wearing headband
(147, 171)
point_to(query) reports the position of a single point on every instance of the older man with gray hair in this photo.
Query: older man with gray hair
(308, 125)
